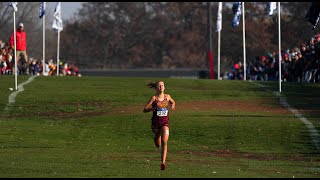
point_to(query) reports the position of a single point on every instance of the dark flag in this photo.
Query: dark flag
(237, 13)
(42, 9)
(313, 14)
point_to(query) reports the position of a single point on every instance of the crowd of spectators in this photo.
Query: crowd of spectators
(300, 64)
(32, 66)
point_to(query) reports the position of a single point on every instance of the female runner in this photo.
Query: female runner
(158, 104)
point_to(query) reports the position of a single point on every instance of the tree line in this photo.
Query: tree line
(159, 34)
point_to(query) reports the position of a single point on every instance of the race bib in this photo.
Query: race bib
(162, 112)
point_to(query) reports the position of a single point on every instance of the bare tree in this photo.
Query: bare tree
(28, 14)
(173, 34)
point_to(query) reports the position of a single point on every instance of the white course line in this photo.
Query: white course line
(312, 130)
(12, 97)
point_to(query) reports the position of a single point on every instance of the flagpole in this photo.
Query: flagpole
(57, 25)
(279, 31)
(219, 36)
(219, 41)
(58, 52)
(210, 56)
(43, 44)
(244, 43)
(15, 52)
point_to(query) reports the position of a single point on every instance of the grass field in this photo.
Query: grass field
(95, 127)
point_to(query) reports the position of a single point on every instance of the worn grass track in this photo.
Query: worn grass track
(94, 127)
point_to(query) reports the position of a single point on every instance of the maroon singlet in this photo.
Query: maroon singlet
(160, 117)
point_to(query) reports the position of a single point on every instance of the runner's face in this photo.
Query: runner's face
(160, 86)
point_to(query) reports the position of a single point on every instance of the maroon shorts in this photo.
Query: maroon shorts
(156, 124)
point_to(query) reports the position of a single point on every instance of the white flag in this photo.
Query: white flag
(42, 9)
(271, 7)
(14, 6)
(57, 22)
(219, 17)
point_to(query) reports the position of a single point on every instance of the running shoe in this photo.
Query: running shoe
(163, 166)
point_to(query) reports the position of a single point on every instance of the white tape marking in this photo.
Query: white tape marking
(312, 130)
(12, 97)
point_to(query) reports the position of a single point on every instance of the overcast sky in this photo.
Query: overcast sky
(67, 8)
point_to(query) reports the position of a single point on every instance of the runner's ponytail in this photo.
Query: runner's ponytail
(151, 85)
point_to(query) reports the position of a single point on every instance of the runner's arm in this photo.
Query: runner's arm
(172, 102)
(148, 107)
